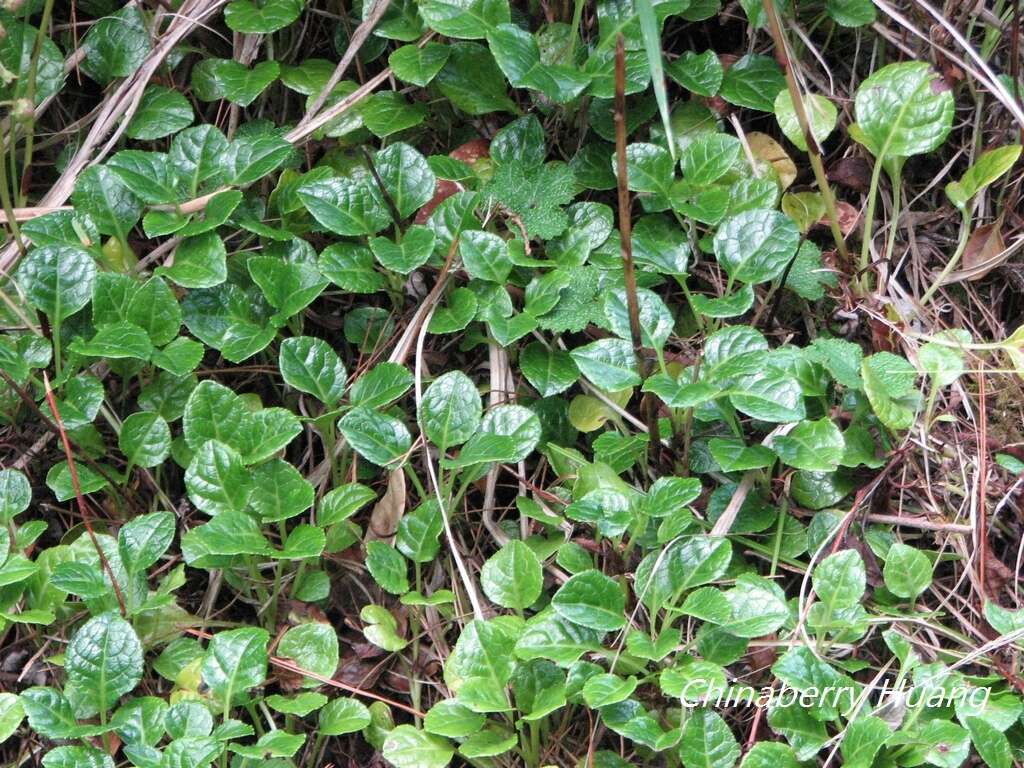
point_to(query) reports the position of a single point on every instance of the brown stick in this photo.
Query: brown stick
(82, 507)
(813, 149)
(982, 490)
(626, 235)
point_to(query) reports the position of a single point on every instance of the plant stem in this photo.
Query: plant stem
(961, 246)
(813, 149)
(869, 216)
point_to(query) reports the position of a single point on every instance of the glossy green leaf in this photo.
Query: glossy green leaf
(512, 577)
(903, 110)
(450, 411)
(104, 660)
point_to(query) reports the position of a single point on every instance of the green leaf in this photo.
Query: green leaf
(889, 385)
(15, 494)
(381, 628)
(688, 562)
(380, 439)
(58, 480)
(251, 158)
(387, 566)
(104, 660)
(289, 287)
(145, 439)
(412, 252)
(57, 279)
(115, 46)
(943, 359)
(803, 732)
(199, 262)
(381, 385)
(234, 662)
(536, 195)
(649, 168)
(269, 16)
(802, 670)
(471, 80)
(903, 110)
(732, 305)
(907, 571)
(416, 65)
(77, 757)
(592, 600)
(607, 689)
(143, 540)
(989, 167)
(863, 738)
(154, 307)
(161, 112)
(456, 314)
(839, 579)
(16, 56)
(100, 193)
(342, 715)
(214, 412)
(227, 534)
(217, 480)
(735, 456)
(707, 742)
(708, 158)
(821, 114)
(310, 365)
(754, 81)
(407, 747)
(407, 177)
(991, 743)
(512, 577)
(773, 397)
(419, 531)
(350, 266)
(851, 13)
(342, 502)
(147, 175)
(817, 446)
(386, 113)
(766, 754)
(518, 55)
(549, 371)
(450, 411)
(449, 718)
(485, 256)
(215, 79)
(346, 206)
(229, 319)
(608, 363)
(313, 647)
(700, 73)
(118, 341)
(469, 19)
(755, 246)
(279, 491)
(508, 433)
(198, 154)
(656, 321)
(11, 715)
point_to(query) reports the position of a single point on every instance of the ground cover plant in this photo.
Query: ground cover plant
(465, 382)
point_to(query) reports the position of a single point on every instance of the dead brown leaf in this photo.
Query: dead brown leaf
(766, 149)
(852, 172)
(848, 218)
(389, 510)
(984, 252)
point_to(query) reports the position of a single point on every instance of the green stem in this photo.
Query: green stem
(869, 215)
(961, 246)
